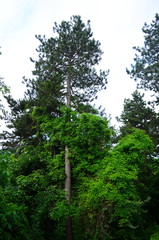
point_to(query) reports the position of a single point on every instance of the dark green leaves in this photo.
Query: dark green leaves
(145, 68)
(72, 54)
(138, 114)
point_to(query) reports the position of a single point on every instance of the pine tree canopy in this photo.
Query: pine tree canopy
(71, 54)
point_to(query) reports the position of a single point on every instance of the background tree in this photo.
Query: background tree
(138, 114)
(145, 69)
(3, 91)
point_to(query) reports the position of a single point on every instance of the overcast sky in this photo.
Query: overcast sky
(116, 24)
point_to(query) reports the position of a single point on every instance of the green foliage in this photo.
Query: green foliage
(114, 187)
(111, 201)
(108, 190)
(146, 61)
(37, 173)
(4, 90)
(155, 236)
(72, 53)
(87, 136)
(13, 222)
(155, 233)
(4, 168)
(36, 190)
(138, 114)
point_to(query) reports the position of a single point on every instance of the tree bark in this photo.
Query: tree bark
(68, 170)
(68, 192)
(67, 176)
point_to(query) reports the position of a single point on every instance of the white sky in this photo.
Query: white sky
(116, 24)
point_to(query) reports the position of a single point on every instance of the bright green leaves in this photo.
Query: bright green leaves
(136, 142)
(38, 172)
(101, 178)
(85, 134)
(92, 130)
(109, 190)
(12, 215)
(116, 185)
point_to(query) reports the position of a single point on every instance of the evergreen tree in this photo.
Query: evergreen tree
(3, 91)
(64, 74)
(145, 69)
(75, 53)
(138, 114)
(69, 59)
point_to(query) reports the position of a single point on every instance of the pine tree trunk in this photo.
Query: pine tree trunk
(68, 170)
(68, 176)
(68, 192)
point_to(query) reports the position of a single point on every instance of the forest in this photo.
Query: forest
(65, 172)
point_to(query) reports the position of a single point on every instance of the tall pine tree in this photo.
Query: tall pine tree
(65, 74)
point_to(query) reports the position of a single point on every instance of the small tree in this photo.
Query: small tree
(138, 114)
